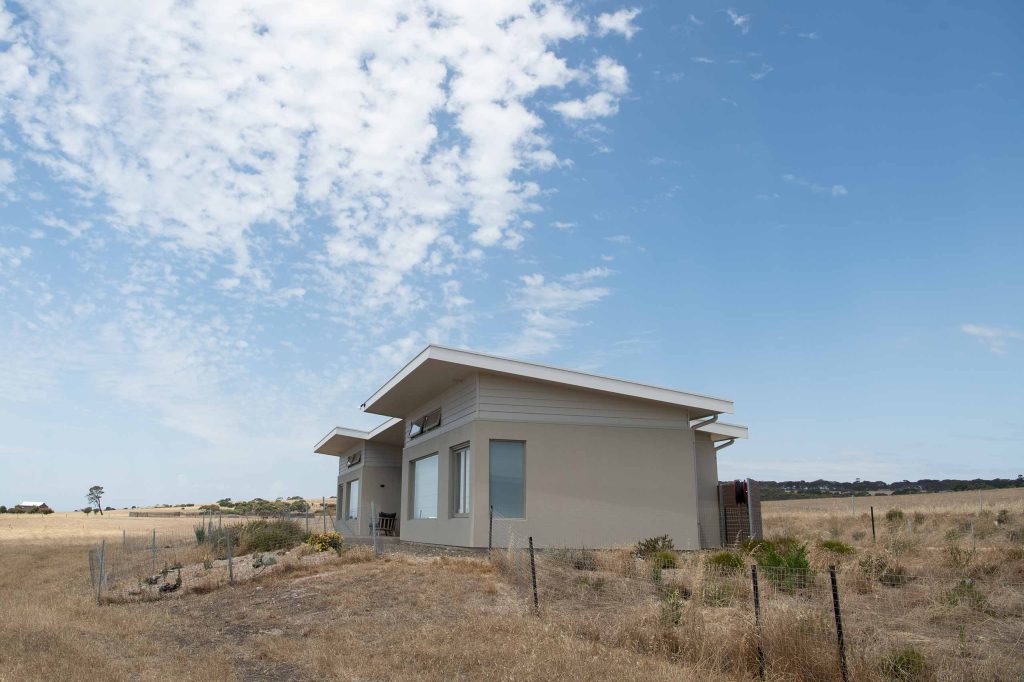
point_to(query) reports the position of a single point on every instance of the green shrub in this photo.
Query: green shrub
(579, 559)
(718, 593)
(325, 542)
(200, 532)
(1003, 517)
(649, 546)
(672, 606)
(726, 562)
(663, 559)
(784, 562)
(269, 535)
(905, 665)
(836, 547)
(894, 515)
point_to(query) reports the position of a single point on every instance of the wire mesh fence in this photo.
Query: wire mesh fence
(218, 551)
(851, 621)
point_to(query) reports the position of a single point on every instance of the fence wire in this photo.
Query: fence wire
(700, 608)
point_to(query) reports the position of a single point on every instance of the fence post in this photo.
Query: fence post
(124, 538)
(757, 622)
(872, 524)
(231, 567)
(839, 624)
(533, 574)
(373, 527)
(153, 550)
(490, 528)
(102, 575)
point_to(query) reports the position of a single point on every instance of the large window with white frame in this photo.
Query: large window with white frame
(461, 484)
(423, 475)
(507, 476)
(352, 498)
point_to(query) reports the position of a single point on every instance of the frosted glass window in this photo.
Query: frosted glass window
(424, 487)
(507, 470)
(353, 499)
(460, 480)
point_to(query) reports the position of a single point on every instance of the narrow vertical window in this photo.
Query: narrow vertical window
(507, 460)
(460, 480)
(424, 487)
(353, 499)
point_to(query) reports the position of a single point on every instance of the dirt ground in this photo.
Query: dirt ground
(406, 618)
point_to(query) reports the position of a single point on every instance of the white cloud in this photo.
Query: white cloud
(834, 190)
(613, 80)
(7, 174)
(619, 239)
(995, 338)
(618, 22)
(563, 225)
(762, 72)
(547, 306)
(218, 128)
(808, 36)
(695, 21)
(740, 21)
(702, 60)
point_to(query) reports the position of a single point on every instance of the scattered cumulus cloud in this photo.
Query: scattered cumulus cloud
(613, 80)
(996, 339)
(563, 225)
(618, 22)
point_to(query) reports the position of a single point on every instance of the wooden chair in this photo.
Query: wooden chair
(386, 524)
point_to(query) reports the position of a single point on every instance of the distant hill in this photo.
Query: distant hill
(794, 490)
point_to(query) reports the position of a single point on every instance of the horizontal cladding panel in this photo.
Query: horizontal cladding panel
(510, 399)
(458, 405)
(548, 418)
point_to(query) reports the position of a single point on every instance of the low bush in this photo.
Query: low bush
(672, 607)
(836, 547)
(663, 559)
(966, 593)
(894, 515)
(1003, 517)
(784, 562)
(325, 542)
(878, 567)
(905, 665)
(649, 546)
(726, 562)
(269, 535)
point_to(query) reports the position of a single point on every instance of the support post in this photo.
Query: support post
(872, 524)
(102, 575)
(757, 622)
(533, 575)
(839, 624)
(490, 528)
(231, 566)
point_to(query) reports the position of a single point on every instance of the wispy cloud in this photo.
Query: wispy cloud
(547, 307)
(740, 21)
(563, 225)
(618, 22)
(834, 190)
(808, 36)
(996, 339)
(702, 60)
(762, 72)
(695, 20)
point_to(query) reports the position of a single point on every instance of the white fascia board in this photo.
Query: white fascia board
(340, 432)
(724, 430)
(568, 377)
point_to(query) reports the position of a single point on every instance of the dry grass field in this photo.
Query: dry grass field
(959, 606)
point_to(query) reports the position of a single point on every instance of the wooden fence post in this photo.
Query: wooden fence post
(839, 624)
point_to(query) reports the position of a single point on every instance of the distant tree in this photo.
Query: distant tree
(3, 509)
(225, 502)
(87, 510)
(94, 496)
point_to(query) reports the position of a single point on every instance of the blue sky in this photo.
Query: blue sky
(221, 228)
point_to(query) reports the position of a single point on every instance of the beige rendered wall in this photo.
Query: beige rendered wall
(707, 491)
(380, 484)
(446, 529)
(594, 486)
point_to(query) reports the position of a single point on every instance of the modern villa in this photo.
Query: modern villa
(568, 457)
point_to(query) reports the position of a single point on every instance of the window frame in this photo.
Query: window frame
(461, 458)
(490, 475)
(425, 424)
(348, 499)
(412, 486)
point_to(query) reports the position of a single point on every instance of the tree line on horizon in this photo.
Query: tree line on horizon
(789, 490)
